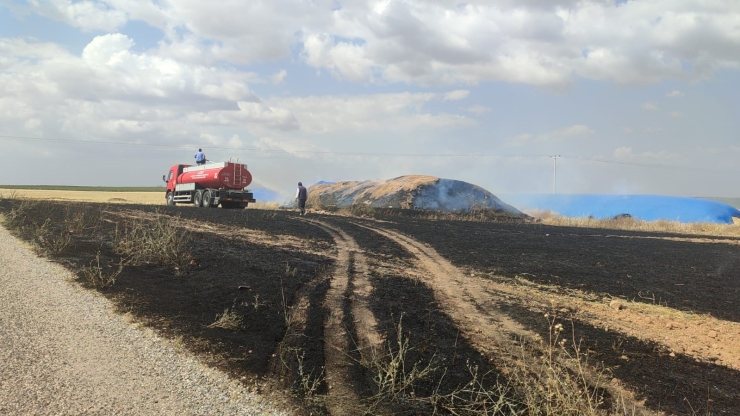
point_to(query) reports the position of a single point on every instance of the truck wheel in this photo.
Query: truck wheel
(207, 199)
(170, 198)
(198, 199)
(227, 205)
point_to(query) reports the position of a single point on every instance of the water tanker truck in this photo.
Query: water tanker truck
(209, 185)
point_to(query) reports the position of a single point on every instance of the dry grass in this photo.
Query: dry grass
(78, 221)
(404, 183)
(326, 195)
(474, 215)
(265, 205)
(50, 241)
(160, 240)
(99, 276)
(394, 377)
(631, 224)
(548, 379)
(557, 379)
(145, 198)
(310, 381)
(229, 320)
(47, 238)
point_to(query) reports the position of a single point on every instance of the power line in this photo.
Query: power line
(619, 162)
(336, 153)
(652, 165)
(280, 151)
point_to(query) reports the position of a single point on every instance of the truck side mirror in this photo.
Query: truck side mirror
(164, 179)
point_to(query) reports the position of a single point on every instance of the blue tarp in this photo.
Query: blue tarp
(643, 207)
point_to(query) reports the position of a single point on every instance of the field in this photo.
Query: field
(149, 196)
(407, 314)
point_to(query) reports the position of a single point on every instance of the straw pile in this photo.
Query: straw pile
(407, 192)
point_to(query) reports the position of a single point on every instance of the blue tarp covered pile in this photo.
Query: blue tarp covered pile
(407, 192)
(642, 207)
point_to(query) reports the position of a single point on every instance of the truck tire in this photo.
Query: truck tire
(207, 198)
(170, 198)
(198, 199)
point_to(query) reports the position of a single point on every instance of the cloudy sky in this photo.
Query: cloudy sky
(638, 96)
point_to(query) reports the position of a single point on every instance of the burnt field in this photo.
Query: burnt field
(334, 314)
(695, 273)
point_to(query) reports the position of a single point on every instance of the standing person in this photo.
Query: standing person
(301, 194)
(200, 157)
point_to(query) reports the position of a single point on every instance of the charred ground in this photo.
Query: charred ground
(271, 271)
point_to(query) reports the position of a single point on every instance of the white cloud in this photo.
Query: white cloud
(625, 153)
(86, 15)
(676, 114)
(343, 59)
(110, 91)
(478, 109)
(279, 77)
(253, 115)
(297, 147)
(195, 84)
(520, 140)
(432, 42)
(402, 111)
(108, 68)
(650, 106)
(622, 152)
(576, 131)
(456, 95)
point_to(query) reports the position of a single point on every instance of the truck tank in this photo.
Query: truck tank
(223, 175)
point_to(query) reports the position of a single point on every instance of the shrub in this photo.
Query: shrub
(549, 379)
(49, 241)
(96, 276)
(160, 240)
(78, 221)
(228, 320)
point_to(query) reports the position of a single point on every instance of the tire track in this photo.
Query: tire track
(460, 297)
(472, 305)
(350, 326)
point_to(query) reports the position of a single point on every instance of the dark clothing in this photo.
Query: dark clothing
(302, 193)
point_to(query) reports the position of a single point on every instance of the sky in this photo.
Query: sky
(635, 97)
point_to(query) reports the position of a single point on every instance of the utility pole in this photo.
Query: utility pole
(554, 170)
